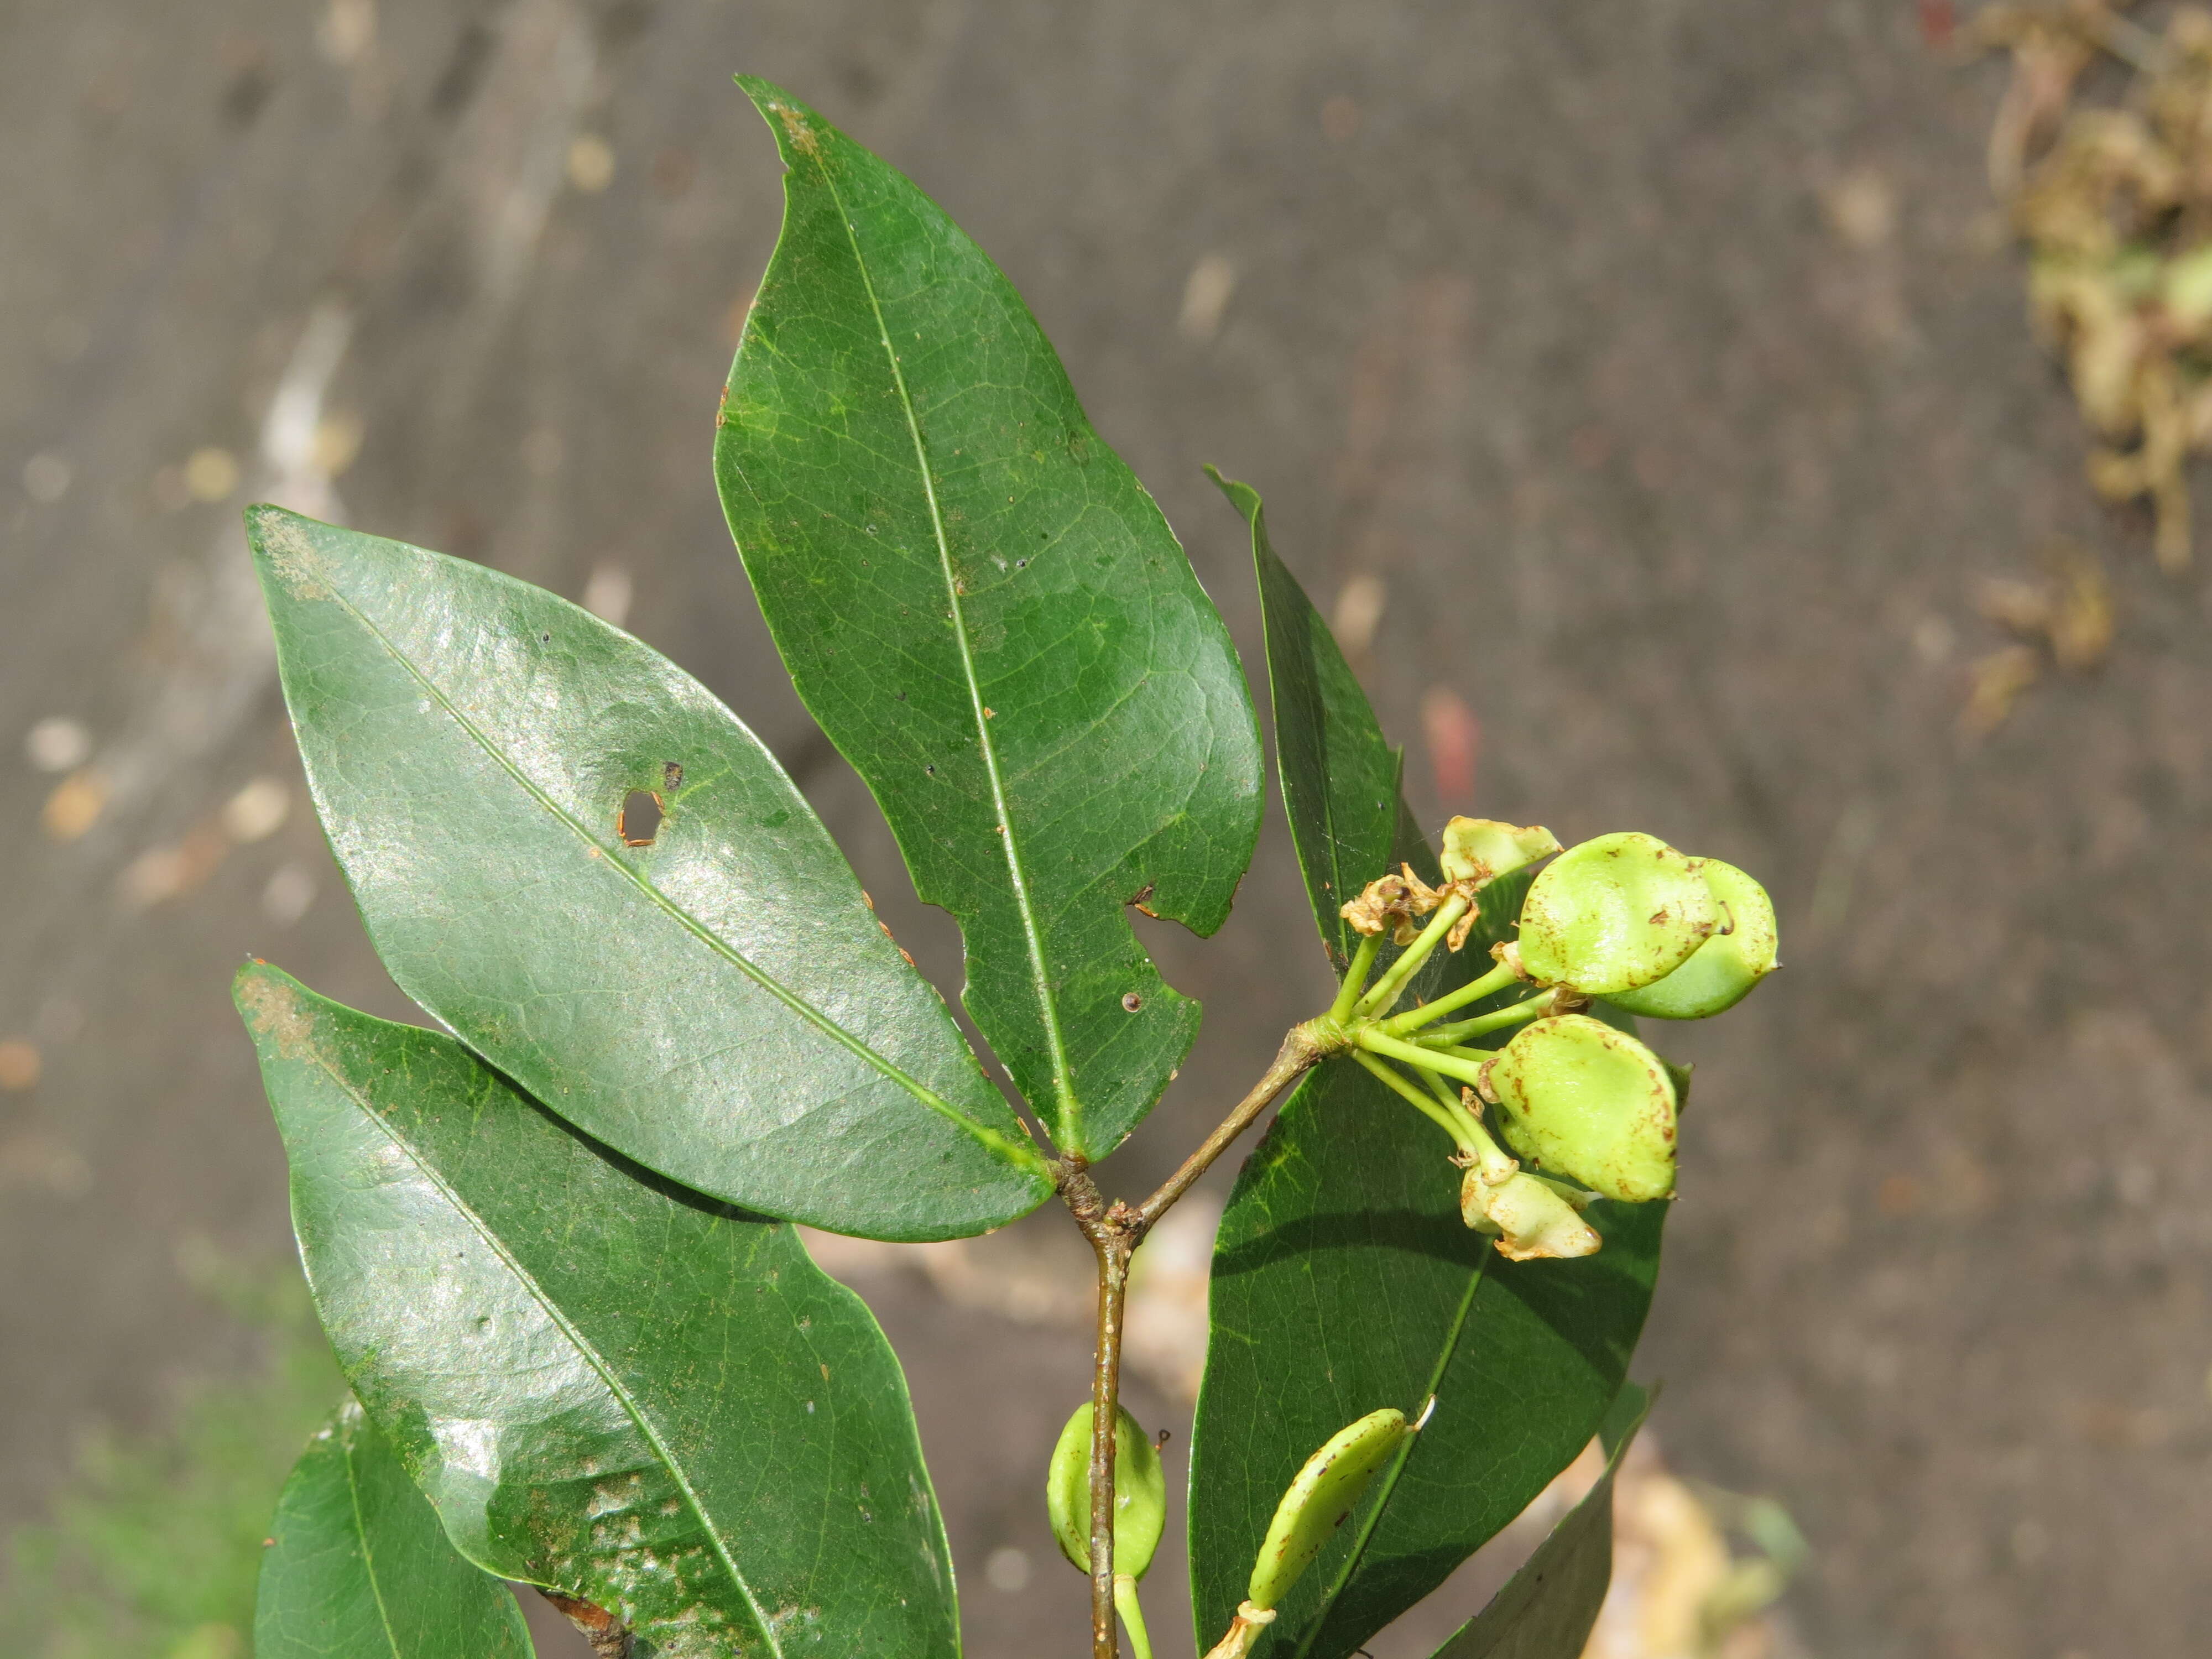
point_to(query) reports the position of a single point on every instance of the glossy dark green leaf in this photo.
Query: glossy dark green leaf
(1344, 1279)
(1339, 774)
(604, 1383)
(720, 1004)
(991, 620)
(1547, 1609)
(357, 1566)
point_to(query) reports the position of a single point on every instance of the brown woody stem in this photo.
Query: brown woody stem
(1114, 1232)
(1302, 1050)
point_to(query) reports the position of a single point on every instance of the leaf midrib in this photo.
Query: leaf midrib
(1063, 1076)
(989, 1138)
(1374, 1519)
(367, 1555)
(1335, 864)
(591, 1355)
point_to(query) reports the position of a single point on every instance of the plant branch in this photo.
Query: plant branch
(1113, 1235)
(1303, 1049)
(1114, 1232)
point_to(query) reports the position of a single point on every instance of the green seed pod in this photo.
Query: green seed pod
(1615, 913)
(1533, 1216)
(1323, 1494)
(1591, 1102)
(1478, 851)
(1140, 1493)
(1721, 972)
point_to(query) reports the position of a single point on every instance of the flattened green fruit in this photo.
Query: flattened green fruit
(1323, 1494)
(1140, 1493)
(1480, 850)
(1586, 1101)
(1721, 972)
(1613, 914)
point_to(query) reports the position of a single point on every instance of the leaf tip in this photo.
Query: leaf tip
(284, 548)
(1242, 496)
(794, 124)
(275, 1007)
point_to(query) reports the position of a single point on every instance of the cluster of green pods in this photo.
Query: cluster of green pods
(1620, 924)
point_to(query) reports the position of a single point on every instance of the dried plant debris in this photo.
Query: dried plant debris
(2115, 203)
(2066, 618)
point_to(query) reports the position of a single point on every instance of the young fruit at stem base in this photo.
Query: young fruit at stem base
(1721, 972)
(1140, 1493)
(1613, 913)
(1577, 1097)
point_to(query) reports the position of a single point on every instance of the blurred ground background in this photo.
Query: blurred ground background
(1645, 386)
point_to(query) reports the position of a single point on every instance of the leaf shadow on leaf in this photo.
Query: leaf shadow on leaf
(1408, 1230)
(674, 1191)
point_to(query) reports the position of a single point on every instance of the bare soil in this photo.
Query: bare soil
(1663, 363)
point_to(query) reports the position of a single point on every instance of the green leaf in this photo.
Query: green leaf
(357, 1566)
(1339, 774)
(605, 1384)
(1547, 1610)
(1344, 1279)
(991, 620)
(719, 1004)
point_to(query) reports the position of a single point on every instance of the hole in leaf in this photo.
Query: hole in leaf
(1131, 1002)
(638, 821)
(671, 776)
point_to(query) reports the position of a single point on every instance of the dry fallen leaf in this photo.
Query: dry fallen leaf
(2116, 206)
(1998, 679)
